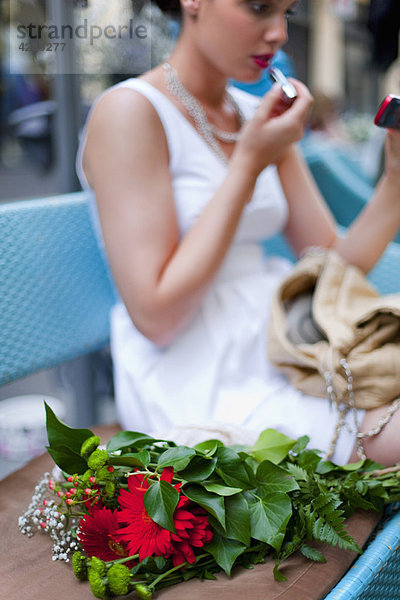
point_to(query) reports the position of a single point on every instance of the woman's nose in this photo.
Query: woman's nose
(276, 31)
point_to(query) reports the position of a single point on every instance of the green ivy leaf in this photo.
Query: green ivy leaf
(273, 479)
(326, 466)
(210, 502)
(301, 444)
(237, 519)
(178, 457)
(160, 501)
(272, 445)
(129, 439)
(309, 460)
(199, 469)
(224, 551)
(132, 459)
(208, 447)
(269, 518)
(221, 490)
(231, 469)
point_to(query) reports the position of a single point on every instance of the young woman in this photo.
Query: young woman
(188, 177)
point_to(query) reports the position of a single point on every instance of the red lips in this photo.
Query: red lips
(262, 60)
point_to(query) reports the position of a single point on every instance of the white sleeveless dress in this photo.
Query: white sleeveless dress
(214, 379)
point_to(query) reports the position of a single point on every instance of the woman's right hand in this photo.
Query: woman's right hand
(265, 138)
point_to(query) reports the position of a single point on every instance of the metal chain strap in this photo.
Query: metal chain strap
(344, 408)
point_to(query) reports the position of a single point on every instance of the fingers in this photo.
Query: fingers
(304, 101)
(268, 102)
(272, 106)
(270, 132)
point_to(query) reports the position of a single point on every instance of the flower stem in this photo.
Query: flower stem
(123, 560)
(185, 564)
(163, 575)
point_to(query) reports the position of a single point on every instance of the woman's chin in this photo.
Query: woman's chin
(250, 76)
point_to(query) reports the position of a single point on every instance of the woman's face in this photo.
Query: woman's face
(240, 37)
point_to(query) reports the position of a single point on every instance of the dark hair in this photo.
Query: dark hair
(169, 7)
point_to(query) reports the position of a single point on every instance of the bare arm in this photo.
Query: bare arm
(311, 224)
(161, 278)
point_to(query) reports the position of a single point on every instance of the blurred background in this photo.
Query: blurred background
(346, 51)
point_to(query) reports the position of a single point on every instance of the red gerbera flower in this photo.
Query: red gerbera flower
(142, 535)
(97, 534)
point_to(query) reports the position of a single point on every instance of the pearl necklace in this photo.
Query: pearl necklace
(209, 132)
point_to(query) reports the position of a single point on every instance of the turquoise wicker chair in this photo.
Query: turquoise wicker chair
(55, 297)
(55, 290)
(345, 188)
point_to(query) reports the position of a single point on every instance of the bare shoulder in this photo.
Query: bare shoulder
(123, 122)
(121, 105)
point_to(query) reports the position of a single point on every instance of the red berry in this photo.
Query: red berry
(70, 479)
(110, 469)
(92, 479)
(43, 525)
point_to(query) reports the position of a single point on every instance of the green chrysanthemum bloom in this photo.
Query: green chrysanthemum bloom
(119, 578)
(110, 489)
(79, 565)
(143, 591)
(97, 459)
(104, 474)
(98, 565)
(85, 477)
(96, 585)
(90, 445)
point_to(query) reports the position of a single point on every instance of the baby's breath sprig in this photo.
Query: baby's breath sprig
(44, 514)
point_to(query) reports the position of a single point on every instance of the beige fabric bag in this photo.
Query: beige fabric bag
(359, 326)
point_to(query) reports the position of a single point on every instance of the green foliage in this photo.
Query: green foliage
(200, 469)
(225, 551)
(237, 519)
(128, 439)
(178, 457)
(212, 503)
(160, 501)
(269, 517)
(65, 443)
(272, 445)
(276, 498)
(312, 554)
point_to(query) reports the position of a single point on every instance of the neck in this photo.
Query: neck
(200, 78)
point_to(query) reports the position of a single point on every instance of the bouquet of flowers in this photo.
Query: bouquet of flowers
(144, 513)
